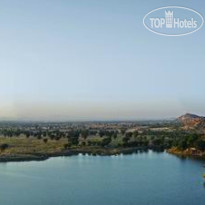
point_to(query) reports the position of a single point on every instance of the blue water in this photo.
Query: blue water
(138, 179)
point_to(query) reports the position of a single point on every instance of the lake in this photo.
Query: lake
(142, 178)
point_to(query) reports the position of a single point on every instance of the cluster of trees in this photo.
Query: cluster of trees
(190, 140)
(180, 139)
(158, 140)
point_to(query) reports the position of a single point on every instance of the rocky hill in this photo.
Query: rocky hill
(191, 121)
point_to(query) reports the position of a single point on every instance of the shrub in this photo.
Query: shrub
(3, 147)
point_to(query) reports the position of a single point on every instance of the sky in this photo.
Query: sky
(95, 60)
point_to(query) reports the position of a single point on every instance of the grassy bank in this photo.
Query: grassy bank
(26, 149)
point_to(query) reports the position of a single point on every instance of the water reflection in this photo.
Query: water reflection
(148, 177)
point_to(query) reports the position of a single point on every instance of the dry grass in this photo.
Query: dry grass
(23, 145)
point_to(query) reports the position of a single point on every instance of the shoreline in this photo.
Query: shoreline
(71, 152)
(187, 153)
(97, 151)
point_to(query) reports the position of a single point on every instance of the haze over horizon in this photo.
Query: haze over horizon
(94, 60)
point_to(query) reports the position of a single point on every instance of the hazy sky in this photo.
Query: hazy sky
(93, 59)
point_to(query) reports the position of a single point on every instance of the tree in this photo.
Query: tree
(106, 141)
(128, 134)
(183, 144)
(123, 130)
(157, 142)
(39, 137)
(114, 135)
(27, 135)
(67, 145)
(125, 139)
(201, 144)
(83, 143)
(84, 134)
(3, 147)
(135, 134)
(101, 133)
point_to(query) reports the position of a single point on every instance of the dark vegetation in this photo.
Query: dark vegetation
(32, 138)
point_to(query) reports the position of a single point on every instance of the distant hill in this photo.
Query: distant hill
(191, 121)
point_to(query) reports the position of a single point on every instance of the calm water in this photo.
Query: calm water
(145, 178)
